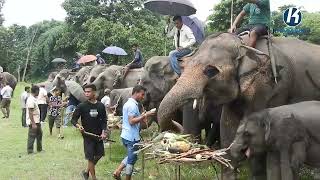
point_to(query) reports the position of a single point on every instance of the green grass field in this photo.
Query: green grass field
(64, 159)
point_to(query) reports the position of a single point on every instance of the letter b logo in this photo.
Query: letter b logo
(292, 16)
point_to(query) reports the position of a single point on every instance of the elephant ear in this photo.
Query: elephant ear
(251, 62)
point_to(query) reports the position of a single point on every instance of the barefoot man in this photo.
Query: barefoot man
(93, 120)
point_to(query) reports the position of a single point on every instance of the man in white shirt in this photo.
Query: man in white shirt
(106, 99)
(6, 93)
(23, 101)
(33, 121)
(42, 102)
(183, 41)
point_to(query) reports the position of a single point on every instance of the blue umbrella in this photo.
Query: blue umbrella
(196, 26)
(114, 50)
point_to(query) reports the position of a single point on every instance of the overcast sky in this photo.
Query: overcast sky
(28, 12)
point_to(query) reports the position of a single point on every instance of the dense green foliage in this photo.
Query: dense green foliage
(308, 30)
(90, 26)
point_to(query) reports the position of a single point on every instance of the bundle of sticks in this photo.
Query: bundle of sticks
(196, 154)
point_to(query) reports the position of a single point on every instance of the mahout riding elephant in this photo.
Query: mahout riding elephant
(9, 79)
(94, 73)
(107, 78)
(240, 78)
(288, 135)
(68, 87)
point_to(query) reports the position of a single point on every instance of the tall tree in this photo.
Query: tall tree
(221, 17)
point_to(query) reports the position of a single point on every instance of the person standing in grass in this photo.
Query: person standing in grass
(23, 99)
(72, 104)
(94, 121)
(6, 93)
(42, 102)
(55, 104)
(131, 130)
(33, 121)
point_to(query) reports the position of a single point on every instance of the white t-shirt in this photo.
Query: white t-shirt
(23, 99)
(32, 103)
(6, 92)
(42, 96)
(106, 101)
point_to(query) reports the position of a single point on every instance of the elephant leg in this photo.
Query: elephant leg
(258, 167)
(297, 158)
(228, 126)
(273, 166)
(191, 123)
(213, 135)
(286, 171)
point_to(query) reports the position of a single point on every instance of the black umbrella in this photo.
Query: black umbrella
(171, 7)
(59, 60)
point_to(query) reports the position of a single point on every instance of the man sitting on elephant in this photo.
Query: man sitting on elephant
(259, 11)
(183, 41)
(137, 61)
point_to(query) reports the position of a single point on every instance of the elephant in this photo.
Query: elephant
(69, 87)
(158, 79)
(240, 78)
(107, 77)
(94, 73)
(288, 135)
(9, 79)
(48, 82)
(119, 97)
(82, 75)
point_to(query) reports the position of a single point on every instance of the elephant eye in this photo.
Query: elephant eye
(211, 71)
(246, 134)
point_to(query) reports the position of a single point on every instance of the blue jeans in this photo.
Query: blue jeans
(175, 55)
(68, 115)
(131, 158)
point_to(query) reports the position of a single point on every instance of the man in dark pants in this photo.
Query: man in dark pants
(137, 61)
(23, 98)
(33, 121)
(93, 120)
(43, 103)
(259, 19)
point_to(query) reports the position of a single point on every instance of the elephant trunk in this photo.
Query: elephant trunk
(188, 87)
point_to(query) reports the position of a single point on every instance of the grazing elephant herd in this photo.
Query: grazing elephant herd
(226, 88)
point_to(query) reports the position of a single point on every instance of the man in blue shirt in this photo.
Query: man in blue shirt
(130, 130)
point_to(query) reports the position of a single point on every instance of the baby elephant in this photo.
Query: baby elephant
(285, 137)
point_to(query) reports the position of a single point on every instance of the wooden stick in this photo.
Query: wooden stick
(146, 147)
(97, 136)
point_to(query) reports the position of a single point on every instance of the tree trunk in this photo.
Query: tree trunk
(28, 55)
